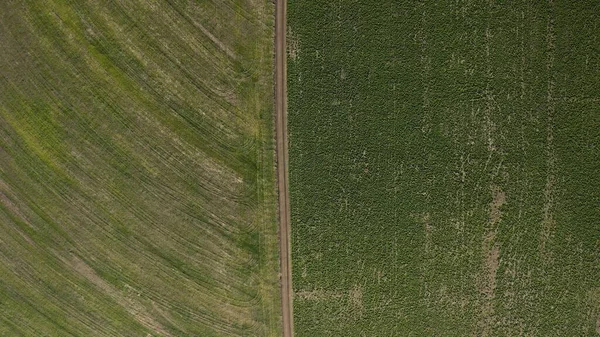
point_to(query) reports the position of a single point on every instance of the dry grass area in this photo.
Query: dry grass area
(137, 183)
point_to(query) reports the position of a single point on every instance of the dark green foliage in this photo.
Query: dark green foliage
(445, 168)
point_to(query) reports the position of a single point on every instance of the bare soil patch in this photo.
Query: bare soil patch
(282, 165)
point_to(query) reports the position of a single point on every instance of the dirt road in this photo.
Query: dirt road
(282, 167)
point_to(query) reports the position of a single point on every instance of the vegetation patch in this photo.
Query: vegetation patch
(444, 172)
(136, 169)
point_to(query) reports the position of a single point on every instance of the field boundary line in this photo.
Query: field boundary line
(282, 167)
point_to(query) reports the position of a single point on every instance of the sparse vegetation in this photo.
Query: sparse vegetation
(444, 168)
(136, 169)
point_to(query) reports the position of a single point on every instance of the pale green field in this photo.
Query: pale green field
(136, 169)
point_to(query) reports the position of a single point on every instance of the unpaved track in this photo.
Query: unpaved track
(282, 167)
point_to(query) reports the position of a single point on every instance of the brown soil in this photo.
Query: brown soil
(498, 200)
(282, 161)
(491, 250)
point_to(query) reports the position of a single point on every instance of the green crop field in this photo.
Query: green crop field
(137, 193)
(445, 167)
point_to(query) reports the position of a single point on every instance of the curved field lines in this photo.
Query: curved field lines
(136, 169)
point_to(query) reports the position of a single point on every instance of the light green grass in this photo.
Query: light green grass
(444, 168)
(136, 169)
